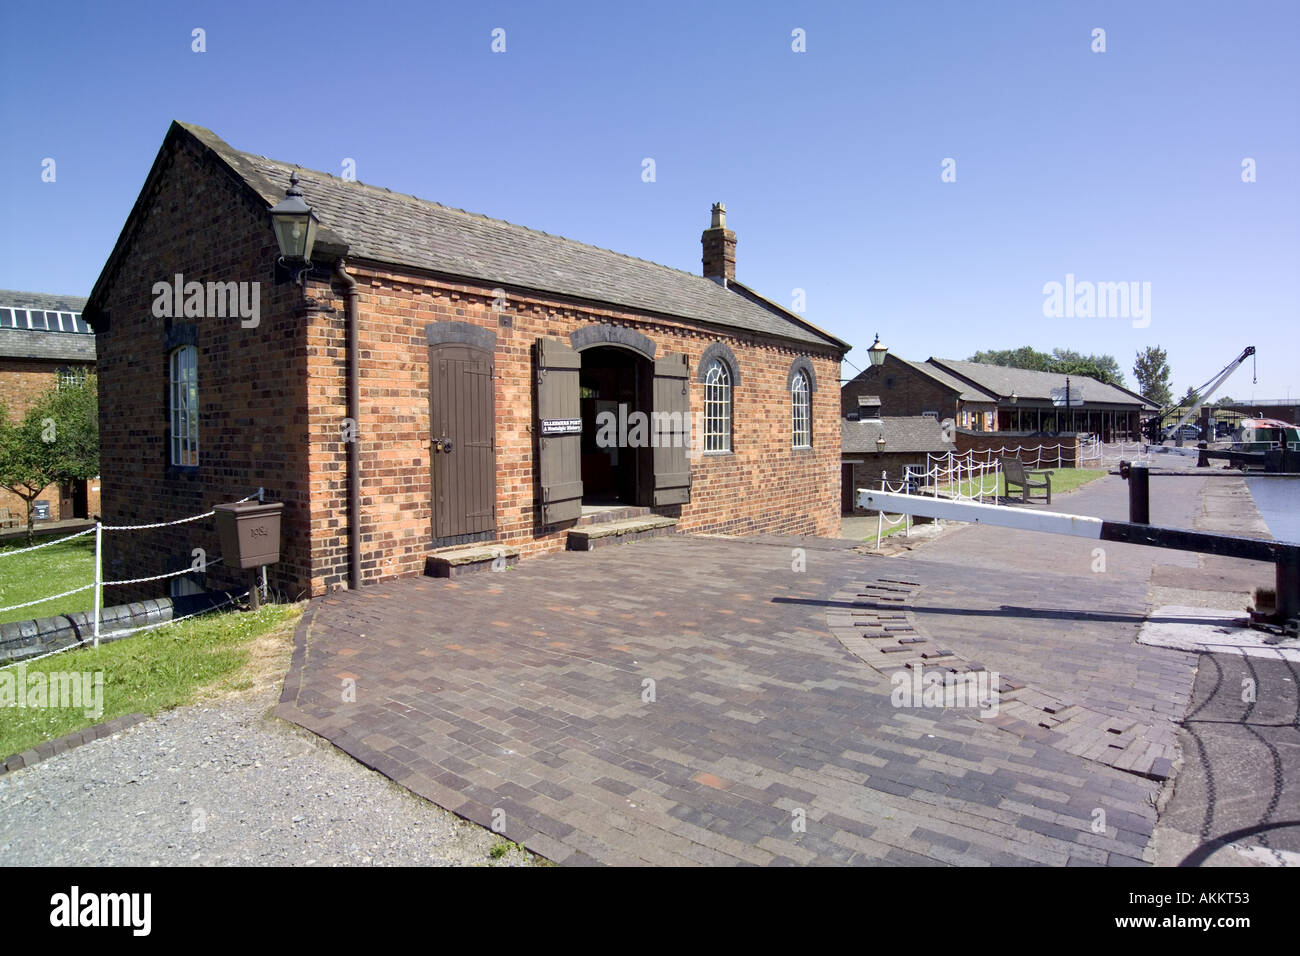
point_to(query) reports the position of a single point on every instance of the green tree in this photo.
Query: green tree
(1151, 369)
(1023, 357)
(56, 441)
(1104, 368)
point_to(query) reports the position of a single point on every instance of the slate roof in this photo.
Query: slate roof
(39, 344)
(383, 226)
(1034, 385)
(40, 300)
(903, 434)
(965, 390)
(56, 346)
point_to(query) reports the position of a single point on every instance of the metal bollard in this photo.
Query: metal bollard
(1139, 491)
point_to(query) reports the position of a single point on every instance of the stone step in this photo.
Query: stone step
(586, 538)
(467, 558)
(608, 515)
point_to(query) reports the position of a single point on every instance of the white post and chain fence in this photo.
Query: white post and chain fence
(98, 584)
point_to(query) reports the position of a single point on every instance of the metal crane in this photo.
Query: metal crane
(1205, 392)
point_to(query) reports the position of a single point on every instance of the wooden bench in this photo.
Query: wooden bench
(7, 519)
(1015, 473)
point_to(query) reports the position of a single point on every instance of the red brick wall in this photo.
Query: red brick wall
(764, 486)
(1037, 450)
(252, 430)
(21, 382)
(902, 391)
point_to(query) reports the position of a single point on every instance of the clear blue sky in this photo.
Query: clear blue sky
(1115, 166)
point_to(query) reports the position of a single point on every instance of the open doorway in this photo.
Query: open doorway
(614, 385)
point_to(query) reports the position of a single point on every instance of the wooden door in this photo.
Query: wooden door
(462, 445)
(671, 411)
(559, 431)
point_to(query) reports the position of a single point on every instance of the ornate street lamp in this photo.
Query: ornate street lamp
(877, 351)
(880, 444)
(295, 230)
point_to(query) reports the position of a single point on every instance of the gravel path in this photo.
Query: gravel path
(224, 784)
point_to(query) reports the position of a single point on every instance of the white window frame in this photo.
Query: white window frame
(801, 410)
(70, 376)
(183, 378)
(718, 407)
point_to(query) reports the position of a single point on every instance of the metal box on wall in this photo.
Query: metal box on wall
(249, 532)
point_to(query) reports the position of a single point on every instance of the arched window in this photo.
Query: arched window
(801, 409)
(185, 406)
(717, 407)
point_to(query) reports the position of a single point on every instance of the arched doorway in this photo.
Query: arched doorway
(614, 390)
(613, 415)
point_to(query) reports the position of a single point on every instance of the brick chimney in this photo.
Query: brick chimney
(719, 244)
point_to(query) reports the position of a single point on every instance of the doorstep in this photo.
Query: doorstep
(589, 537)
(468, 558)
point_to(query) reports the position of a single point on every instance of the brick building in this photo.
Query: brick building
(44, 341)
(984, 398)
(920, 389)
(437, 381)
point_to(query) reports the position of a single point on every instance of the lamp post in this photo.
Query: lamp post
(877, 351)
(295, 230)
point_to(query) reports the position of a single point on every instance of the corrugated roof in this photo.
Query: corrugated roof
(384, 226)
(1029, 384)
(903, 433)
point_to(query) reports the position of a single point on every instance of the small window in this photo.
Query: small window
(37, 320)
(80, 324)
(184, 585)
(934, 415)
(185, 406)
(6, 318)
(71, 377)
(801, 409)
(717, 407)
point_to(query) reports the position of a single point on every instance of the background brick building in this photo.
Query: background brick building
(44, 340)
(985, 398)
(463, 322)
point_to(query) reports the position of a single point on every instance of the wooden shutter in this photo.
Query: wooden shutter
(559, 456)
(671, 416)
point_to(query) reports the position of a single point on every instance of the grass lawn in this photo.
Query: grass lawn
(211, 655)
(1063, 480)
(60, 567)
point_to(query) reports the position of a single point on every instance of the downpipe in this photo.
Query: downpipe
(350, 297)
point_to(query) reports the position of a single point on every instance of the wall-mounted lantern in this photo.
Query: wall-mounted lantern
(295, 230)
(877, 351)
(880, 444)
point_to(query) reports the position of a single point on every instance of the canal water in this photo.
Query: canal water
(1278, 501)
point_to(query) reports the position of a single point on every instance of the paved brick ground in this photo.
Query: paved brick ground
(521, 699)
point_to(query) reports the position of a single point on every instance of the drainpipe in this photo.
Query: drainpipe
(354, 413)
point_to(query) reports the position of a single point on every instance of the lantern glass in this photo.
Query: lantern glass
(295, 225)
(877, 351)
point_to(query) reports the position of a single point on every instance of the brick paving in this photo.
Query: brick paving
(685, 701)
